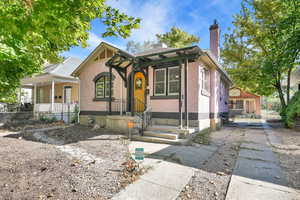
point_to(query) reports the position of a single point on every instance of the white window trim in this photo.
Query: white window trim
(173, 93)
(165, 87)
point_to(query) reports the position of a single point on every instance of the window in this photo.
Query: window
(173, 82)
(206, 81)
(160, 82)
(102, 87)
(239, 104)
(40, 95)
(166, 81)
(231, 104)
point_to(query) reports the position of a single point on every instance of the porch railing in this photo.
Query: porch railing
(57, 107)
(144, 115)
(117, 105)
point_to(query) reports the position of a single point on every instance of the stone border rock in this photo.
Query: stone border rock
(276, 142)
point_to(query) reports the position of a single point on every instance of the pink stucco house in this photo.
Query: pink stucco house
(182, 88)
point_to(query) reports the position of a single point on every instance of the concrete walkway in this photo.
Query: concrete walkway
(257, 174)
(172, 168)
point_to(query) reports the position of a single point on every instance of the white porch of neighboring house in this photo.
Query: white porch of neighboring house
(53, 94)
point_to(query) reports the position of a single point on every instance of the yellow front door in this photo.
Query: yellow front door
(139, 92)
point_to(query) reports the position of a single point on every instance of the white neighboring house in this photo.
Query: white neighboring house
(54, 90)
(295, 79)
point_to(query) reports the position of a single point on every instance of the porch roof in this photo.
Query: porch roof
(123, 60)
(47, 78)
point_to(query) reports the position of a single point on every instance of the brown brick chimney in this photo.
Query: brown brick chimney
(215, 39)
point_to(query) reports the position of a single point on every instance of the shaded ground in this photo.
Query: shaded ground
(34, 170)
(14, 126)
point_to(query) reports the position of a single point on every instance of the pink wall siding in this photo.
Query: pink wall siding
(198, 102)
(87, 86)
(171, 105)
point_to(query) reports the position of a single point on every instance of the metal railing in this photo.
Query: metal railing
(117, 105)
(144, 114)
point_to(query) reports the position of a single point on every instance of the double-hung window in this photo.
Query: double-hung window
(166, 81)
(160, 82)
(206, 81)
(173, 81)
(102, 87)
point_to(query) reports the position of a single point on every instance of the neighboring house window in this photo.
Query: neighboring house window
(160, 82)
(173, 82)
(40, 95)
(231, 104)
(239, 104)
(102, 83)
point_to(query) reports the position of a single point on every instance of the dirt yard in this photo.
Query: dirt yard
(289, 155)
(87, 166)
(212, 179)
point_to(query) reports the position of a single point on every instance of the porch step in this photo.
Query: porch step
(156, 140)
(159, 134)
(170, 129)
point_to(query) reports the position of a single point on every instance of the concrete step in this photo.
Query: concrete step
(159, 134)
(156, 140)
(170, 129)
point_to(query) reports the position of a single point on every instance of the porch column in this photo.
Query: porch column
(110, 87)
(179, 95)
(186, 93)
(52, 96)
(132, 92)
(34, 97)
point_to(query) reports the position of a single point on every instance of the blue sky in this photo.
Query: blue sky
(158, 16)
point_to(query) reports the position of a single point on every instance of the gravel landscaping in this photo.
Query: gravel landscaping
(90, 165)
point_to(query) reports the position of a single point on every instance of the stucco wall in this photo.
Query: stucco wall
(172, 105)
(87, 88)
(204, 100)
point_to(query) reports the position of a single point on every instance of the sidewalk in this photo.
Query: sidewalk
(257, 174)
(166, 179)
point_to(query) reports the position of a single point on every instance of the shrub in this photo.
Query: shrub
(292, 111)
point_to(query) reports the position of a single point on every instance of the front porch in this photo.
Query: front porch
(53, 95)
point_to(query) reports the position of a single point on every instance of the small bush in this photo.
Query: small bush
(292, 111)
(203, 137)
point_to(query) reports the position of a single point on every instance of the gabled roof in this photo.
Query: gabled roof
(244, 93)
(153, 53)
(101, 45)
(64, 68)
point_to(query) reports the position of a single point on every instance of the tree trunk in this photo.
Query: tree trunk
(281, 95)
(288, 85)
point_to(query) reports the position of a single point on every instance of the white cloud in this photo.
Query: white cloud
(93, 40)
(156, 16)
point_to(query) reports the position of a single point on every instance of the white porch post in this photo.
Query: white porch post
(34, 97)
(52, 96)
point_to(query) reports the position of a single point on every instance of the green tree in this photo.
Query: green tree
(136, 47)
(35, 31)
(177, 38)
(263, 48)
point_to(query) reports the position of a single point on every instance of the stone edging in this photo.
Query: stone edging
(275, 141)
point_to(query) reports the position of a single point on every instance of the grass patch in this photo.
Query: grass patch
(203, 137)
